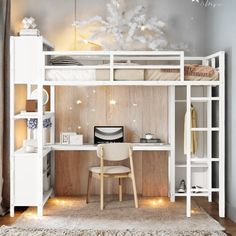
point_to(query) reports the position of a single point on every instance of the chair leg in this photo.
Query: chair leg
(101, 192)
(134, 190)
(88, 186)
(120, 189)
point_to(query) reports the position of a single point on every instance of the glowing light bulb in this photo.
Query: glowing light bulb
(160, 201)
(154, 203)
(94, 91)
(79, 127)
(113, 102)
(135, 104)
(78, 102)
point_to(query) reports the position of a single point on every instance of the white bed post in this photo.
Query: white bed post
(209, 141)
(222, 136)
(52, 134)
(40, 149)
(171, 140)
(12, 128)
(182, 66)
(111, 67)
(188, 140)
(40, 136)
(52, 110)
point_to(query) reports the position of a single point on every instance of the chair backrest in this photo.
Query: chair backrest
(114, 151)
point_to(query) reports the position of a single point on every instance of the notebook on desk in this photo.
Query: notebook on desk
(108, 134)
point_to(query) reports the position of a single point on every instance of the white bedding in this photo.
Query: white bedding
(121, 75)
(91, 74)
(70, 75)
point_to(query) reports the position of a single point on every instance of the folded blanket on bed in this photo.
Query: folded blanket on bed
(194, 70)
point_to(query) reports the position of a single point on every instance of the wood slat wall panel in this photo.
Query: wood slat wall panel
(139, 109)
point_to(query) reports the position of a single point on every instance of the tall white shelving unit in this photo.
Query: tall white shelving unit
(28, 170)
(28, 68)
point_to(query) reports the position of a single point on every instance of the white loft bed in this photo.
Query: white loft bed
(30, 65)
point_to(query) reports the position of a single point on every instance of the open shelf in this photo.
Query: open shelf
(32, 115)
(21, 152)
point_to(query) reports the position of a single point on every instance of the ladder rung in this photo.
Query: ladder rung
(204, 99)
(205, 129)
(215, 190)
(199, 194)
(204, 159)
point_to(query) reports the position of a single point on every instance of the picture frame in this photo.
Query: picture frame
(65, 137)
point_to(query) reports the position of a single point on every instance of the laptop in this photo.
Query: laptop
(108, 134)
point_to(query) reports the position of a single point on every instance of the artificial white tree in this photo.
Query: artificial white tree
(125, 30)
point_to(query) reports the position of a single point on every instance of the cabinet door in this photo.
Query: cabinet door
(27, 59)
(27, 179)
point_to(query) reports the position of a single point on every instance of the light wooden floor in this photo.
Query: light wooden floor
(210, 208)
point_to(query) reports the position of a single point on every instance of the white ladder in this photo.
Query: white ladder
(209, 158)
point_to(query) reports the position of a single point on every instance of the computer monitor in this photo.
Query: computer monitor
(108, 134)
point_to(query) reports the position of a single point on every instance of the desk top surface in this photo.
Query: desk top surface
(93, 147)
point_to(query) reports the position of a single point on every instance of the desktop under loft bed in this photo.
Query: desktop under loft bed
(34, 63)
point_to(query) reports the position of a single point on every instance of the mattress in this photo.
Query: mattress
(192, 72)
(91, 75)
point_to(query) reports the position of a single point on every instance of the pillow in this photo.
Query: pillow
(64, 60)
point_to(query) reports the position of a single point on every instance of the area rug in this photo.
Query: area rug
(155, 217)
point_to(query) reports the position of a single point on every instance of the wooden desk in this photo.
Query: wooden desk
(92, 147)
(152, 170)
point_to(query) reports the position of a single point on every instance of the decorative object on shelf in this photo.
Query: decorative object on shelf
(149, 135)
(29, 27)
(31, 105)
(150, 138)
(125, 30)
(33, 123)
(76, 139)
(71, 138)
(30, 145)
(207, 3)
(34, 95)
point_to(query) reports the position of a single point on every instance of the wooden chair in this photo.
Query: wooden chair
(113, 152)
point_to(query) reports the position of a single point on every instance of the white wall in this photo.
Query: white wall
(54, 17)
(221, 35)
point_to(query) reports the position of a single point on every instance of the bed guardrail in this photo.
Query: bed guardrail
(112, 60)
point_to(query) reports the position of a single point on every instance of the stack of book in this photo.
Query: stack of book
(29, 32)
